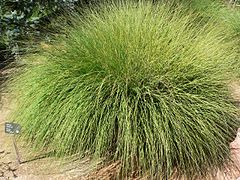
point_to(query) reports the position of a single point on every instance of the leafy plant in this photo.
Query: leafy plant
(135, 82)
(24, 21)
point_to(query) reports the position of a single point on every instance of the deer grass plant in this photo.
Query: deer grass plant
(133, 82)
(224, 13)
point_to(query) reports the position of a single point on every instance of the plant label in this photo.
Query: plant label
(12, 128)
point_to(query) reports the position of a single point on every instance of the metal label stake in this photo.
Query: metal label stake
(14, 128)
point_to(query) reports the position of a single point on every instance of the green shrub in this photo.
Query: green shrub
(22, 21)
(139, 83)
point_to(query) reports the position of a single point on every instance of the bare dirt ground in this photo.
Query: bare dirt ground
(42, 168)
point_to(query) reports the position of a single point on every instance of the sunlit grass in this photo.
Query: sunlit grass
(222, 12)
(138, 83)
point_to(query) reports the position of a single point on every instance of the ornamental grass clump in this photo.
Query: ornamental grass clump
(137, 83)
(220, 11)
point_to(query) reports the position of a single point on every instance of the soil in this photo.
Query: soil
(40, 167)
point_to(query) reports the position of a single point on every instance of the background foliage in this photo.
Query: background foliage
(22, 20)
